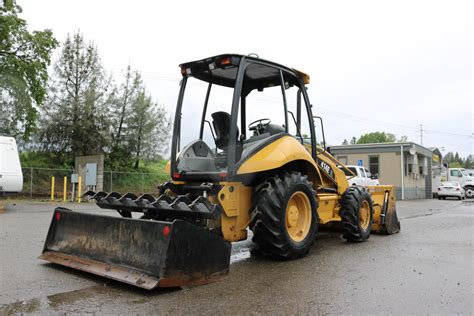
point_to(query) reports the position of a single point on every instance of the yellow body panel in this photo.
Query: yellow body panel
(236, 200)
(328, 209)
(276, 155)
(340, 179)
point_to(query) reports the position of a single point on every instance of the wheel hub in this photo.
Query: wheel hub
(364, 215)
(293, 216)
(298, 216)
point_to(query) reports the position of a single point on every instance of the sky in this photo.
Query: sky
(397, 66)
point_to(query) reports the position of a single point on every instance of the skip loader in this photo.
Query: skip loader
(270, 176)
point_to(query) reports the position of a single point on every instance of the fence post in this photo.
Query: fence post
(52, 188)
(79, 190)
(64, 189)
(31, 182)
(142, 184)
(111, 181)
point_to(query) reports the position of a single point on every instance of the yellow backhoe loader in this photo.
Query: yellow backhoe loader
(270, 176)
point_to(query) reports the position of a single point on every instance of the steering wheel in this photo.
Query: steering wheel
(259, 125)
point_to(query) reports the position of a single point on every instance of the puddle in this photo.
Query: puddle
(43, 305)
(37, 305)
(29, 306)
(240, 255)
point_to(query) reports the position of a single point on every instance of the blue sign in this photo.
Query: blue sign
(359, 162)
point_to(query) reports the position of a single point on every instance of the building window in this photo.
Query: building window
(374, 167)
(410, 168)
(421, 170)
(342, 159)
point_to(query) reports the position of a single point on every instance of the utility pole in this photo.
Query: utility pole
(421, 134)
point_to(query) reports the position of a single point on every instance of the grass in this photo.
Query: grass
(144, 179)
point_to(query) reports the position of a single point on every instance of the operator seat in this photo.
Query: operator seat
(221, 122)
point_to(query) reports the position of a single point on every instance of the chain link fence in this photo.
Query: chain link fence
(37, 182)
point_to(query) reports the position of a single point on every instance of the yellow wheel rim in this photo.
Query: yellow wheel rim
(364, 215)
(298, 216)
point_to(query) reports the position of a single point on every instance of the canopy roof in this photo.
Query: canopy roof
(222, 70)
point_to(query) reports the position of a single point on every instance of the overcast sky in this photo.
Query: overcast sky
(374, 65)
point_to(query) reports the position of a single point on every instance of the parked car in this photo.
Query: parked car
(451, 189)
(462, 176)
(362, 176)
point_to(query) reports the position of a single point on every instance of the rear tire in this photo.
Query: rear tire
(356, 214)
(285, 217)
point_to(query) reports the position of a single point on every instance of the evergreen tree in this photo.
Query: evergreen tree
(123, 100)
(149, 129)
(75, 118)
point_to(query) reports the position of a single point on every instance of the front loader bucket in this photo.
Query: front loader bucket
(385, 213)
(144, 253)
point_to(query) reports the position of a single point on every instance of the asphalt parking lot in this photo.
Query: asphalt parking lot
(426, 269)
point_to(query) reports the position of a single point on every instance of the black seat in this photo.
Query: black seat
(221, 122)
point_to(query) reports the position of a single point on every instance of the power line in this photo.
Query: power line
(171, 77)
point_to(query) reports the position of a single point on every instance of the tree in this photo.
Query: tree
(149, 128)
(376, 137)
(457, 158)
(403, 139)
(449, 157)
(469, 162)
(75, 118)
(123, 100)
(24, 58)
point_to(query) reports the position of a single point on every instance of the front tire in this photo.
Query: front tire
(356, 214)
(285, 218)
(469, 192)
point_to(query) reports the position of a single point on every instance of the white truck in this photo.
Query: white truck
(11, 176)
(462, 176)
(362, 176)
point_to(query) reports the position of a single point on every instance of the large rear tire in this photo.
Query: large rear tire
(356, 214)
(285, 217)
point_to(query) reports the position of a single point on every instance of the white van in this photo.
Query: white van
(11, 177)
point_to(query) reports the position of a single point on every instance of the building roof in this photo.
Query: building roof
(380, 147)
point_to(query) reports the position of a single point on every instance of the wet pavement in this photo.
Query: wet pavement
(426, 269)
